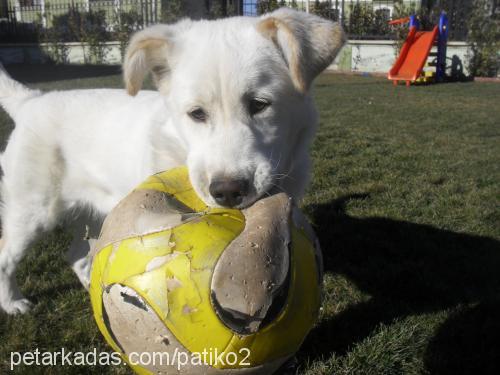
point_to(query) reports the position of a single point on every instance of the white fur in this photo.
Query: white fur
(82, 151)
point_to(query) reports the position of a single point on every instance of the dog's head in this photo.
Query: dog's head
(238, 92)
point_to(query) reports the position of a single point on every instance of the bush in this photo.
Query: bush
(89, 28)
(126, 23)
(293, 4)
(400, 32)
(172, 11)
(94, 34)
(57, 36)
(61, 30)
(57, 48)
(380, 25)
(20, 32)
(360, 19)
(322, 9)
(484, 37)
(216, 10)
(221, 9)
(265, 6)
(458, 11)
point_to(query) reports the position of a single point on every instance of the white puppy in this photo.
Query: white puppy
(233, 103)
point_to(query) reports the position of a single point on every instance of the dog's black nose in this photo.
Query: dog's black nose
(228, 192)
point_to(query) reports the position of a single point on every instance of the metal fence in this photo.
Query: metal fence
(368, 19)
(35, 20)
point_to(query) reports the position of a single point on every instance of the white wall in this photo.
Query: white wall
(38, 53)
(377, 56)
(358, 55)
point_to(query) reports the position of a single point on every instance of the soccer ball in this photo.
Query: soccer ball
(179, 287)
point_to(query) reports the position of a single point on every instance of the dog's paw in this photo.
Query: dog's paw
(85, 280)
(18, 306)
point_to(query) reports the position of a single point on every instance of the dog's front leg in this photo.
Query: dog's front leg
(12, 300)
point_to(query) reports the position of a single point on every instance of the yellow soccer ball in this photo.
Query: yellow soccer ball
(181, 288)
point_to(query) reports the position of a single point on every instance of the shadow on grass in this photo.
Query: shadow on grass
(50, 73)
(408, 269)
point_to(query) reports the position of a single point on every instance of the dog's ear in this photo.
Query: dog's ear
(308, 43)
(148, 51)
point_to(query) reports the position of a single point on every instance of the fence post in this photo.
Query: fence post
(239, 7)
(44, 15)
(342, 16)
(17, 11)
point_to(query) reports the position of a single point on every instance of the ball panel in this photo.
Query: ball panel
(162, 201)
(285, 335)
(132, 255)
(189, 311)
(124, 305)
(175, 182)
(142, 212)
(243, 292)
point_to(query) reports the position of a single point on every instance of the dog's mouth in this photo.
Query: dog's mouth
(273, 189)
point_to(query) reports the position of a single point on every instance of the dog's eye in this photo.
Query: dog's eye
(198, 114)
(258, 105)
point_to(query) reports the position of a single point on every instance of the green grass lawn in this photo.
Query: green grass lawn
(405, 200)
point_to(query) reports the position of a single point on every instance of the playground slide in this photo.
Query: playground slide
(413, 55)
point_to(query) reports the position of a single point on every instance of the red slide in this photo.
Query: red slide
(413, 55)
